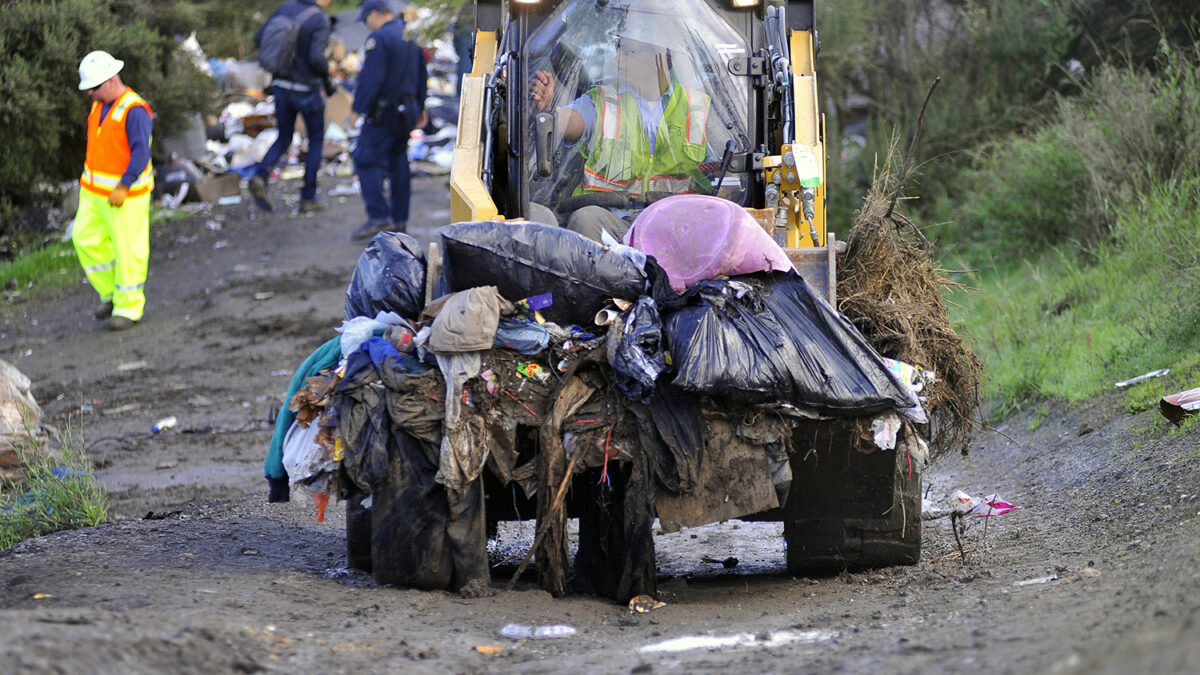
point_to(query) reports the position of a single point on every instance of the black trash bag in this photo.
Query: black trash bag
(388, 277)
(527, 259)
(638, 356)
(762, 338)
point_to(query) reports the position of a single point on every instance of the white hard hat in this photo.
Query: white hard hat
(96, 68)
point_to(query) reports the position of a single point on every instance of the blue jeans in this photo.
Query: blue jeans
(288, 104)
(380, 152)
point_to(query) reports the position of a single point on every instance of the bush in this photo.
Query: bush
(1125, 135)
(55, 495)
(43, 113)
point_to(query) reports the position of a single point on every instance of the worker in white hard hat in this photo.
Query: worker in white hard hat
(112, 227)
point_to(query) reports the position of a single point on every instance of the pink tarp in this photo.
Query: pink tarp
(697, 237)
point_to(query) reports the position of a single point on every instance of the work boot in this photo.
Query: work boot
(370, 228)
(103, 311)
(310, 206)
(258, 190)
(120, 323)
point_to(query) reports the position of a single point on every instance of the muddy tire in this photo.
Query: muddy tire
(850, 507)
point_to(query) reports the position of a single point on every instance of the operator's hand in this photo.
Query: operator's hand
(541, 89)
(118, 195)
(422, 120)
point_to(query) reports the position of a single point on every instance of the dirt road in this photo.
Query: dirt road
(1098, 571)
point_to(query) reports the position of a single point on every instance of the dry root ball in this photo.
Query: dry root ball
(891, 289)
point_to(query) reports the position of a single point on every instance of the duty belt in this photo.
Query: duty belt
(291, 86)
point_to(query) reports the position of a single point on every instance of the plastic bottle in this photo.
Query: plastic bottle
(164, 423)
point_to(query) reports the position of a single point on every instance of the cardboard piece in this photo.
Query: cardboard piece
(337, 109)
(214, 188)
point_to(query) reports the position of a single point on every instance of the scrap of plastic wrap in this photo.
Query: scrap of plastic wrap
(516, 631)
(530, 259)
(359, 329)
(388, 277)
(986, 507)
(697, 237)
(636, 354)
(303, 459)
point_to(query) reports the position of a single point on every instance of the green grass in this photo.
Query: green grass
(1061, 327)
(56, 266)
(45, 502)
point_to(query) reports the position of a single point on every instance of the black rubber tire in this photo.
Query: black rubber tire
(847, 534)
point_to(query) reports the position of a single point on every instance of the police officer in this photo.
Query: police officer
(390, 96)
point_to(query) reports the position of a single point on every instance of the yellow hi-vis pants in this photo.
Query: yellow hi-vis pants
(113, 244)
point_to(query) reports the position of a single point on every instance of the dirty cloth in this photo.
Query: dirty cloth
(467, 320)
(422, 534)
(325, 356)
(462, 454)
(379, 395)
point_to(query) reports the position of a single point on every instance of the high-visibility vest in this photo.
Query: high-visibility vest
(108, 149)
(618, 155)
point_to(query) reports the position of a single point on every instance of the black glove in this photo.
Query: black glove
(278, 490)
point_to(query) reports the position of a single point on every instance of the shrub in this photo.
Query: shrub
(43, 112)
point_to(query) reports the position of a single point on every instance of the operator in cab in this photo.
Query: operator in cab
(642, 137)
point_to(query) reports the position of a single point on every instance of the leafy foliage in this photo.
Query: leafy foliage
(55, 495)
(43, 112)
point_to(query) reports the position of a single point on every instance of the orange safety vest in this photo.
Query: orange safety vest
(108, 149)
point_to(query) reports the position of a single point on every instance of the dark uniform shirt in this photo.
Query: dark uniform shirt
(394, 67)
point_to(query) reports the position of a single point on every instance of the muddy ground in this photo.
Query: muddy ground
(1098, 571)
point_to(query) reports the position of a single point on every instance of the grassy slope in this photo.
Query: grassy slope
(1089, 273)
(1061, 328)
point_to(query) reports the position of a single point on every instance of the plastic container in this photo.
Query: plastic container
(163, 424)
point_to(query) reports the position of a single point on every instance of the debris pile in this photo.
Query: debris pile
(526, 355)
(209, 160)
(892, 287)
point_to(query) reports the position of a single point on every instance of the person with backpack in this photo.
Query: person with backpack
(390, 96)
(291, 46)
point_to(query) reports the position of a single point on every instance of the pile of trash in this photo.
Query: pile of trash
(530, 352)
(220, 148)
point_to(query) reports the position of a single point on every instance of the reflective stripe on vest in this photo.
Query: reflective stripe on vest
(108, 152)
(604, 164)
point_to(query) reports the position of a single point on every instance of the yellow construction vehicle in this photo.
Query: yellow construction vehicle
(737, 84)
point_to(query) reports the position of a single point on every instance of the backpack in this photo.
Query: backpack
(277, 48)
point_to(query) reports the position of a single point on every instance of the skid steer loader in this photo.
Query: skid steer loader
(752, 64)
